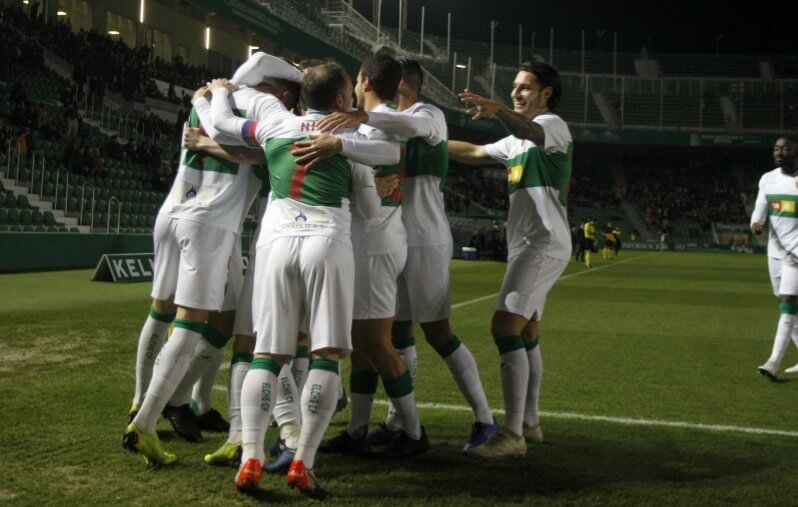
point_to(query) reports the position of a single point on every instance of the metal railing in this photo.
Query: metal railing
(118, 215)
(66, 189)
(43, 170)
(82, 201)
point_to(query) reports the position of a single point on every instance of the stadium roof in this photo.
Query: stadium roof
(675, 26)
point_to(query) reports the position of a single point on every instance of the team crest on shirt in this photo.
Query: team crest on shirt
(514, 174)
(192, 193)
(301, 217)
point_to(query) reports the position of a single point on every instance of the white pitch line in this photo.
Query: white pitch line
(624, 421)
(592, 270)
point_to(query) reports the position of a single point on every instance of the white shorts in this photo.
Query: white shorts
(298, 275)
(191, 262)
(527, 282)
(375, 284)
(774, 268)
(235, 278)
(788, 285)
(243, 324)
(423, 292)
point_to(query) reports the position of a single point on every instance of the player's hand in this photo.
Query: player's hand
(483, 107)
(221, 83)
(320, 147)
(201, 92)
(339, 121)
(757, 227)
(192, 139)
(386, 185)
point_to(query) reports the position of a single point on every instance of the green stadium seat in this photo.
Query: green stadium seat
(61, 228)
(37, 218)
(13, 216)
(52, 228)
(28, 228)
(40, 228)
(74, 229)
(49, 218)
(49, 189)
(72, 205)
(14, 228)
(11, 200)
(86, 219)
(60, 203)
(22, 202)
(126, 206)
(25, 217)
(3, 217)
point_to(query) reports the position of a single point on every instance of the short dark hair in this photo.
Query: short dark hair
(384, 72)
(547, 76)
(412, 73)
(322, 84)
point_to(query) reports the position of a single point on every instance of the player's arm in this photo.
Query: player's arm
(194, 140)
(203, 108)
(364, 188)
(760, 214)
(223, 119)
(468, 153)
(262, 65)
(516, 123)
(398, 124)
(372, 152)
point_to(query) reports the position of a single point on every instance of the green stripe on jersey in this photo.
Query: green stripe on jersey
(202, 161)
(328, 183)
(782, 205)
(424, 159)
(536, 168)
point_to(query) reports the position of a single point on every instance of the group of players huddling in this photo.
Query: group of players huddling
(353, 247)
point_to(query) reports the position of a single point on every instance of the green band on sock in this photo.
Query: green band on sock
(787, 307)
(449, 348)
(532, 345)
(263, 363)
(241, 357)
(191, 325)
(302, 352)
(214, 337)
(324, 364)
(399, 386)
(363, 382)
(163, 317)
(402, 334)
(509, 343)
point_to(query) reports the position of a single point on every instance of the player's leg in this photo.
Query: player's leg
(204, 251)
(162, 310)
(528, 279)
(327, 270)
(276, 302)
(531, 427)
(428, 284)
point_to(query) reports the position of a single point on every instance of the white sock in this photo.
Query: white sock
(318, 406)
(238, 371)
(287, 411)
(783, 334)
(795, 335)
(299, 368)
(464, 370)
(170, 367)
(515, 379)
(400, 390)
(532, 414)
(152, 337)
(409, 356)
(205, 357)
(257, 398)
(361, 413)
(203, 388)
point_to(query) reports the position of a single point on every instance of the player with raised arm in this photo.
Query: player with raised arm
(194, 237)
(380, 247)
(537, 156)
(423, 288)
(776, 205)
(304, 265)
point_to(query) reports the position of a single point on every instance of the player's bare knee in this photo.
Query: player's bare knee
(243, 344)
(437, 333)
(164, 305)
(330, 354)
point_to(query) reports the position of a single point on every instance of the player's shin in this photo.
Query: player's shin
(257, 399)
(319, 398)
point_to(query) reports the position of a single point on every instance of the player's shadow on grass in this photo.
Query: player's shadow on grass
(568, 464)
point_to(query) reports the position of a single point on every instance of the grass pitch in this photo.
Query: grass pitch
(650, 396)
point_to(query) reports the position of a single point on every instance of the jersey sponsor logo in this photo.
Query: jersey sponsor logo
(301, 217)
(192, 193)
(783, 206)
(514, 174)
